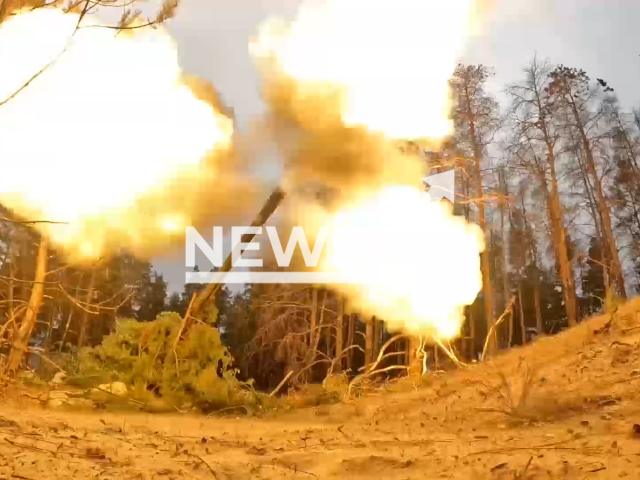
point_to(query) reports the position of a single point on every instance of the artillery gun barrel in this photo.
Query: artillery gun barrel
(209, 293)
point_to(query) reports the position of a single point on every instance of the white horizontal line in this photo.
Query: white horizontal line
(272, 277)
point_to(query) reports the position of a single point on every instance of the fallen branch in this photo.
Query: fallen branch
(36, 351)
(294, 468)
(31, 447)
(227, 409)
(386, 355)
(281, 384)
(338, 358)
(30, 222)
(521, 475)
(381, 355)
(12, 319)
(59, 451)
(183, 327)
(508, 311)
(372, 369)
(450, 354)
(213, 472)
(388, 369)
(322, 360)
(128, 399)
(94, 309)
(189, 454)
(586, 450)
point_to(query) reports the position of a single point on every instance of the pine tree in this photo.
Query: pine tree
(571, 91)
(535, 145)
(475, 116)
(150, 297)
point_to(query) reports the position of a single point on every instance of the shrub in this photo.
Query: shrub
(196, 373)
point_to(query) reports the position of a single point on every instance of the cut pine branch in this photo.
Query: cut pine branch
(492, 331)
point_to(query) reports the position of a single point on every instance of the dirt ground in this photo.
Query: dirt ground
(563, 407)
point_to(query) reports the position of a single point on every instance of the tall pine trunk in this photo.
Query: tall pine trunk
(314, 318)
(554, 209)
(84, 320)
(339, 332)
(536, 302)
(560, 244)
(542, 110)
(23, 333)
(506, 290)
(351, 341)
(368, 344)
(615, 266)
(484, 256)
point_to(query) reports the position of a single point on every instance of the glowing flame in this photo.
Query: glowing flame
(381, 66)
(392, 59)
(412, 263)
(107, 128)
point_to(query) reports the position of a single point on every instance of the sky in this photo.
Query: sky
(600, 36)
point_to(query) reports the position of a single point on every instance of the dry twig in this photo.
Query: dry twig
(372, 369)
(508, 311)
(281, 384)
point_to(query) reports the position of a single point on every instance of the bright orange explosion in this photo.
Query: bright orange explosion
(106, 126)
(390, 61)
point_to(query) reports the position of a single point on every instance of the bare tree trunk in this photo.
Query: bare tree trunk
(484, 256)
(522, 324)
(412, 360)
(21, 341)
(510, 337)
(506, 290)
(472, 333)
(479, 194)
(10, 287)
(314, 317)
(591, 199)
(327, 326)
(560, 244)
(84, 322)
(23, 269)
(466, 194)
(536, 272)
(612, 244)
(368, 347)
(3, 9)
(551, 195)
(52, 319)
(536, 303)
(376, 336)
(628, 143)
(66, 328)
(605, 213)
(350, 341)
(339, 330)
(466, 191)
(407, 352)
(316, 347)
(597, 220)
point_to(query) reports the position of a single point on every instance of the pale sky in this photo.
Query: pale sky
(600, 36)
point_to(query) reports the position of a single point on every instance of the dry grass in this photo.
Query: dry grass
(561, 407)
(571, 373)
(511, 393)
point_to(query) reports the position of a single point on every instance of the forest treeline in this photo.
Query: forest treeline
(551, 175)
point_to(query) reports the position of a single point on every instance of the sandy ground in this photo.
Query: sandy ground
(563, 407)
